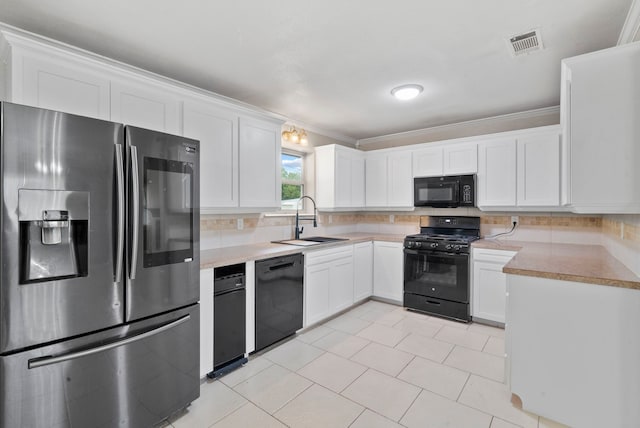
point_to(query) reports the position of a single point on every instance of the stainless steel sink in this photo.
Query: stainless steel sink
(312, 240)
(322, 239)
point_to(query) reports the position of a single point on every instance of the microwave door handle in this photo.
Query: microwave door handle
(121, 220)
(135, 218)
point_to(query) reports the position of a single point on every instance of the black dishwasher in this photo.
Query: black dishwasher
(229, 315)
(279, 292)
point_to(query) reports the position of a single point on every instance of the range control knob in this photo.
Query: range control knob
(418, 244)
(433, 245)
(409, 244)
(456, 247)
(449, 246)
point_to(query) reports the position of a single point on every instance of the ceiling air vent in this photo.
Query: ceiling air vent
(525, 43)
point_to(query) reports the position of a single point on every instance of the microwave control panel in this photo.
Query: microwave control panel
(467, 196)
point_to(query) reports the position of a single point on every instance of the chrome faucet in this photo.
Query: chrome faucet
(299, 228)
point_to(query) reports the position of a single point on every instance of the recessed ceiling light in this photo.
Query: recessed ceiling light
(406, 92)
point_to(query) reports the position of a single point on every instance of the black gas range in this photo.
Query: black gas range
(437, 266)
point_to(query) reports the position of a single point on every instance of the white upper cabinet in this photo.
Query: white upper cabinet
(389, 179)
(376, 180)
(539, 170)
(259, 155)
(520, 170)
(400, 180)
(38, 76)
(460, 159)
(217, 130)
(600, 108)
(339, 177)
(145, 106)
(240, 147)
(428, 162)
(496, 180)
(446, 159)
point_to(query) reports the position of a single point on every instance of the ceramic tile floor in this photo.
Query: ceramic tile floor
(375, 366)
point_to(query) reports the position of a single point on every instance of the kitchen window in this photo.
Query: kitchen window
(292, 170)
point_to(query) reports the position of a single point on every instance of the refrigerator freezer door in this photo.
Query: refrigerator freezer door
(149, 370)
(58, 265)
(163, 252)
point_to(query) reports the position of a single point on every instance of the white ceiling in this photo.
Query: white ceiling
(331, 64)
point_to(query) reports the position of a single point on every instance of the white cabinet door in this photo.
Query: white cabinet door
(316, 292)
(70, 87)
(362, 270)
(460, 159)
(489, 285)
(342, 184)
(339, 177)
(400, 180)
(217, 131)
(599, 110)
(341, 284)
(206, 321)
(357, 182)
(539, 170)
(388, 270)
(496, 180)
(376, 180)
(427, 162)
(145, 106)
(259, 155)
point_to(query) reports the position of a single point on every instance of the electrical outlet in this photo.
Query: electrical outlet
(240, 223)
(515, 219)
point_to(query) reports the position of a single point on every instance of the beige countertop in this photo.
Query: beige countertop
(568, 262)
(243, 253)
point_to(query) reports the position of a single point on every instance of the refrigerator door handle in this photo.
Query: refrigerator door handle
(121, 203)
(136, 212)
(41, 362)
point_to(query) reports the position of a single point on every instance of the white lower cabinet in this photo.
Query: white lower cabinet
(489, 284)
(328, 282)
(206, 321)
(362, 270)
(388, 270)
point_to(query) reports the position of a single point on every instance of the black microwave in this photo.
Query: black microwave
(445, 192)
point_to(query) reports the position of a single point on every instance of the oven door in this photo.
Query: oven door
(438, 192)
(437, 274)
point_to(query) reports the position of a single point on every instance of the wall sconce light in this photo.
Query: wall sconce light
(298, 136)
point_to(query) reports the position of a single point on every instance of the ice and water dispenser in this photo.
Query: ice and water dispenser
(53, 234)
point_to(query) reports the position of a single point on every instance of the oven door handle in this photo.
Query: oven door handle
(434, 253)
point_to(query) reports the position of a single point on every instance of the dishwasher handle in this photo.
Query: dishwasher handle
(281, 266)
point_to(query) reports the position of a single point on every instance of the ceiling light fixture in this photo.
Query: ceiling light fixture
(406, 92)
(294, 135)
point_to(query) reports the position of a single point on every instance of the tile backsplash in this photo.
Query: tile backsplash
(619, 234)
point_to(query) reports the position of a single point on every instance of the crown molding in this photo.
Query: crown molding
(494, 120)
(631, 28)
(14, 36)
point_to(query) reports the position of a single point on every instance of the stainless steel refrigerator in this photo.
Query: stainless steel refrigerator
(99, 272)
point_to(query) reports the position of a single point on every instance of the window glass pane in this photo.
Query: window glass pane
(292, 180)
(291, 167)
(290, 195)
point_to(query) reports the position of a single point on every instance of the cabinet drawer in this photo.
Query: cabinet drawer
(494, 256)
(328, 255)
